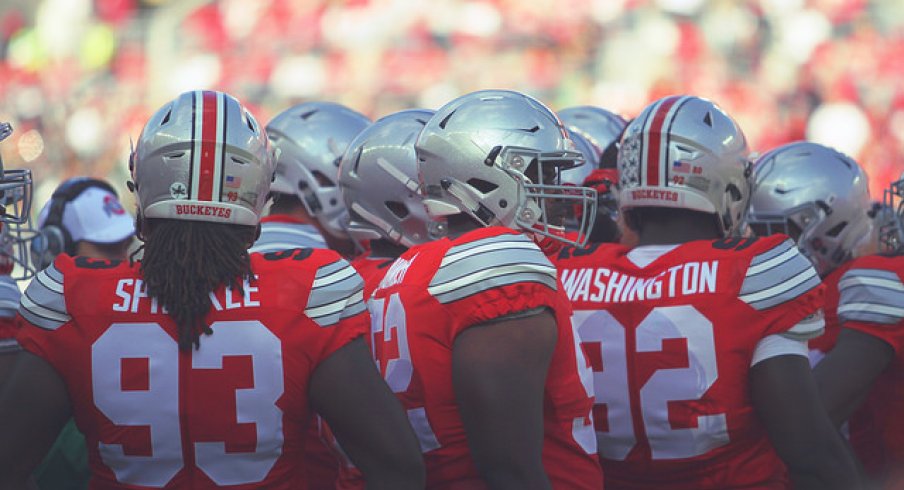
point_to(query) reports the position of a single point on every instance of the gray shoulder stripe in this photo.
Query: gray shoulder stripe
(772, 277)
(49, 311)
(330, 314)
(870, 313)
(871, 295)
(46, 298)
(43, 302)
(41, 317)
(774, 251)
(53, 273)
(332, 267)
(520, 248)
(780, 260)
(519, 238)
(487, 260)
(809, 328)
(48, 283)
(326, 279)
(877, 273)
(334, 281)
(492, 278)
(783, 291)
(871, 279)
(9, 346)
(775, 272)
(525, 251)
(344, 289)
(353, 309)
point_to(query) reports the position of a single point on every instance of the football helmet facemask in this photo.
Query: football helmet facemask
(16, 231)
(891, 222)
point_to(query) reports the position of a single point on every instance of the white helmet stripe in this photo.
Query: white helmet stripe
(220, 149)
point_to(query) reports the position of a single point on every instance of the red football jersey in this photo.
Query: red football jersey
(435, 291)
(9, 326)
(371, 270)
(821, 345)
(871, 300)
(233, 412)
(671, 333)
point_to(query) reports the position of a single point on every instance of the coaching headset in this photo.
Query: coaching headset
(53, 238)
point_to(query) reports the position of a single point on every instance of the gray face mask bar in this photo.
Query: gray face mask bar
(539, 173)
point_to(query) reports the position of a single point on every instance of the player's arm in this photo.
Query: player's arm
(367, 419)
(845, 376)
(870, 310)
(34, 406)
(499, 373)
(787, 401)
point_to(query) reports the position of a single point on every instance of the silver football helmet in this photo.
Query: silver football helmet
(16, 231)
(311, 138)
(576, 175)
(495, 156)
(202, 157)
(816, 195)
(379, 182)
(599, 126)
(891, 221)
(685, 152)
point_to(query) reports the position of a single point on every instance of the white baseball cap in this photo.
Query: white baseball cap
(96, 215)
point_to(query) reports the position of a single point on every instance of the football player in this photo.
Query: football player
(862, 376)
(379, 183)
(698, 337)
(15, 225)
(471, 330)
(819, 197)
(307, 212)
(199, 366)
(602, 129)
(307, 208)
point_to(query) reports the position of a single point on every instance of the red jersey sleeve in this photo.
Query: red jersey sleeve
(43, 309)
(784, 288)
(872, 299)
(494, 276)
(336, 304)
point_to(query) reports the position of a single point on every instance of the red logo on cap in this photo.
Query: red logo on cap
(112, 205)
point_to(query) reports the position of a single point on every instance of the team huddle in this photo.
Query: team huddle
(567, 301)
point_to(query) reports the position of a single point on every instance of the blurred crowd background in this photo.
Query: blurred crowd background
(78, 78)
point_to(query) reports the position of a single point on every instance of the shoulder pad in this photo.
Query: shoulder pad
(336, 293)
(43, 303)
(871, 295)
(809, 328)
(487, 263)
(776, 275)
(9, 297)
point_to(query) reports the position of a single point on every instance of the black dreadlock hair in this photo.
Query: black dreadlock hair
(184, 261)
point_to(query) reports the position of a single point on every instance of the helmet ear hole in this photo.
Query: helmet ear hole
(397, 208)
(837, 229)
(483, 186)
(734, 193)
